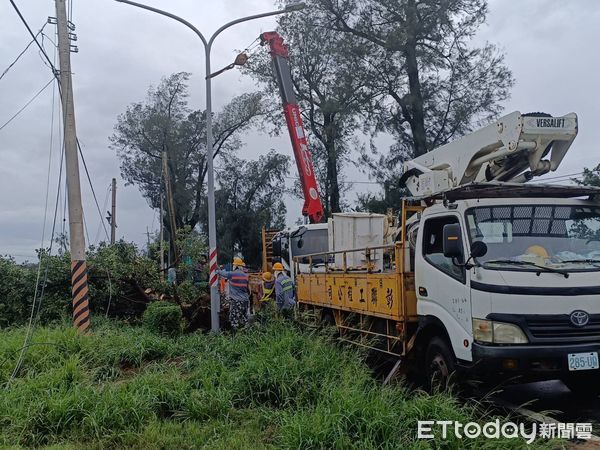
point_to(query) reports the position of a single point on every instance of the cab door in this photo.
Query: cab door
(442, 286)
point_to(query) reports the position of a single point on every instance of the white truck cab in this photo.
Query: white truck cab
(529, 304)
(509, 272)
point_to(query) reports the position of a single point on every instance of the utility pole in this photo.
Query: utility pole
(113, 212)
(79, 281)
(162, 239)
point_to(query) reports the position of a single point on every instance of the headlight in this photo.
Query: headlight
(507, 333)
(483, 330)
(498, 332)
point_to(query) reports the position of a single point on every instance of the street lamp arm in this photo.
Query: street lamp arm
(241, 19)
(168, 14)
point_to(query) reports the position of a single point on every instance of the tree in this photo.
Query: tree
(391, 197)
(165, 123)
(590, 177)
(331, 97)
(436, 85)
(249, 197)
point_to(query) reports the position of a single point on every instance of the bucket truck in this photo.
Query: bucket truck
(490, 276)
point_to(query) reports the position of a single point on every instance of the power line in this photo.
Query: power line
(37, 304)
(54, 71)
(562, 176)
(339, 182)
(97, 237)
(26, 104)
(35, 308)
(21, 54)
(92, 188)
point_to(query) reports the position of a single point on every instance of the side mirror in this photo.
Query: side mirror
(298, 232)
(452, 241)
(478, 249)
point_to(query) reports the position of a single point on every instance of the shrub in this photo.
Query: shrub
(117, 274)
(163, 318)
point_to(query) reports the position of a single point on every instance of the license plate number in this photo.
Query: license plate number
(583, 361)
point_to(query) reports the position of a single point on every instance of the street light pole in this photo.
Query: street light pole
(212, 227)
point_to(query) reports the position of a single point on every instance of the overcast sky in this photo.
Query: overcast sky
(551, 47)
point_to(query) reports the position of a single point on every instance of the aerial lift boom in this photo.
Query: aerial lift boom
(312, 208)
(515, 149)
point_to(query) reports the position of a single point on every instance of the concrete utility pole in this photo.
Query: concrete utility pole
(215, 301)
(113, 212)
(162, 239)
(79, 282)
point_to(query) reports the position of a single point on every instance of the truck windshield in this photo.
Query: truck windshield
(525, 237)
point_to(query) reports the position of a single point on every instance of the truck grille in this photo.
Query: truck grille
(560, 327)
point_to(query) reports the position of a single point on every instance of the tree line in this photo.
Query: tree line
(410, 69)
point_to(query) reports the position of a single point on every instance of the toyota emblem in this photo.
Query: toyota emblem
(580, 318)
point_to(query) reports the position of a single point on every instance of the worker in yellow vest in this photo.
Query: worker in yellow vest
(267, 300)
(284, 289)
(268, 288)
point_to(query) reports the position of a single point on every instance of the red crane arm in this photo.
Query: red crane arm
(313, 208)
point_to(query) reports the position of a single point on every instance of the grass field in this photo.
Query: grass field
(270, 387)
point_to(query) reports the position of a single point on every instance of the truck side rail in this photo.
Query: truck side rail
(370, 254)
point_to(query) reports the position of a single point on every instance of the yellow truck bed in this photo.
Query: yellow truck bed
(386, 295)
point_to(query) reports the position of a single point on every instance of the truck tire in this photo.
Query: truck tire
(327, 318)
(583, 384)
(439, 365)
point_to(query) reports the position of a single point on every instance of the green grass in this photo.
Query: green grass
(272, 387)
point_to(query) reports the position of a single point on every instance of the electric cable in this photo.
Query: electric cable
(54, 71)
(26, 104)
(85, 227)
(562, 176)
(97, 237)
(92, 188)
(36, 305)
(22, 53)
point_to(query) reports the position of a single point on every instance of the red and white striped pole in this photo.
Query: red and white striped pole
(213, 267)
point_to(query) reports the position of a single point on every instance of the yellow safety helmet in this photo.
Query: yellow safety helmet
(267, 276)
(538, 251)
(278, 267)
(238, 262)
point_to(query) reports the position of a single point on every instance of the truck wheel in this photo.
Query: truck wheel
(583, 384)
(327, 318)
(439, 364)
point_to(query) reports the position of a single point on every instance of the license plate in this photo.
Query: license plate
(583, 361)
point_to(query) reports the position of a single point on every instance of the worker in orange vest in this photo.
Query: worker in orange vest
(238, 294)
